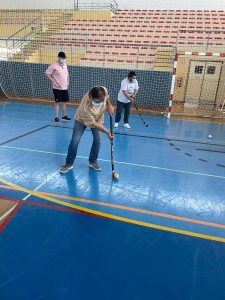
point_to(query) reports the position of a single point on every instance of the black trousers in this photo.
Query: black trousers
(119, 110)
(61, 95)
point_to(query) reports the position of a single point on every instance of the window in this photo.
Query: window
(211, 70)
(198, 69)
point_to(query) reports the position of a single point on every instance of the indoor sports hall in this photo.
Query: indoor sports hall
(151, 224)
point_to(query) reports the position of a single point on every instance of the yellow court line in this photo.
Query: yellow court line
(127, 208)
(113, 217)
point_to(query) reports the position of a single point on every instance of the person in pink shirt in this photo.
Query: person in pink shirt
(58, 74)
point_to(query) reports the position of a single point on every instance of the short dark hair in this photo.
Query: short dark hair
(97, 92)
(62, 55)
(131, 74)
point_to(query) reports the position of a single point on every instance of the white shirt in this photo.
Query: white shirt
(128, 86)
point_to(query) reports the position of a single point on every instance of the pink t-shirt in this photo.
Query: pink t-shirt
(60, 74)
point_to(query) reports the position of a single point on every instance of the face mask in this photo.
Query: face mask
(96, 104)
(62, 61)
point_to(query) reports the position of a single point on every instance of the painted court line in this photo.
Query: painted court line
(123, 163)
(157, 136)
(211, 150)
(127, 208)
(23, 135)
(9, 217)
(7, 213)
(10, 213)
(42, 184)
(51, 206)
(113, 217)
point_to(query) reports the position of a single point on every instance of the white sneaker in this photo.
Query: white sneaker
(95, 166)
(64, 169)
(126, 125)
(116, 125)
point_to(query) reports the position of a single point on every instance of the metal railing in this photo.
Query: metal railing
(83, 52)
(110, 5)
(97, 43)
(33, 23)
(16, 42)
(209, 39)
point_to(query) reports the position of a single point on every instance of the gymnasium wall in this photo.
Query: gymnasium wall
(40, 4)
(183, 72)
(43, 4)
(25, 80)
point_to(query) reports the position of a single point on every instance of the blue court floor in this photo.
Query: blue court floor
(158, 233)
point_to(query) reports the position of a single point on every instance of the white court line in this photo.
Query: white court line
(8, 212)
(123, 163)
(26, 197)
(42, 184)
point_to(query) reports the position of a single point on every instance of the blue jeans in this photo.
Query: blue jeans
(78, 131)
(119, 109)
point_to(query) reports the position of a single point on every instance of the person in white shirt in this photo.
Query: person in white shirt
(127, 93)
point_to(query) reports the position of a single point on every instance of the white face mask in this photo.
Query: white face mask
(96, 104)
(62, 61)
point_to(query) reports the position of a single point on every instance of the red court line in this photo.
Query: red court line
(60, 208)
(122, 219)
(7, 219)
(53, 207)
(127, 208)
(138, 210)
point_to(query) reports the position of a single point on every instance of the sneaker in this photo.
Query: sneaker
(126, 125)
(116, 125)
(95, 166)
(56, 119)
(65, 169)
(66, 118)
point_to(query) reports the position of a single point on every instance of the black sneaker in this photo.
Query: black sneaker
(66, 118)
(56, 119)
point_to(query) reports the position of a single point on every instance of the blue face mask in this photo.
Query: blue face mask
(96, 104)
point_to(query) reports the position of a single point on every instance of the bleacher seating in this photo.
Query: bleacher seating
(132, 37)
(153, 27)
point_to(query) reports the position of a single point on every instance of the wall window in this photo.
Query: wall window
(211, 70)
(198, 69)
